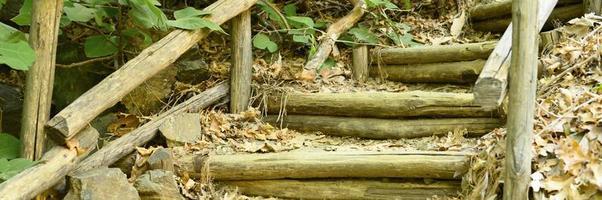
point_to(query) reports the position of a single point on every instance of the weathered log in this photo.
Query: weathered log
(347, 189)
(329, 38)
(451, 72)
(124, 145)
(385, 128)
(562, 14)
(359, 68)
(490, 87)
(40, 77)
(593, 6)
(434, 54)
(149, 62)
(501, 8)
(521, 104)
(53, 167)
(378, 104)
(303, 165)
(242, 63)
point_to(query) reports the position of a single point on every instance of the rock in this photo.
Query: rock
(161, 159)
(11, 104)
(192, 71)
(126, 163)
(182, 128)
(158, 185)
(101, 183)
(149, 97)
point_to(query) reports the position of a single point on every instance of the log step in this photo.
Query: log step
(311, 165)
(347, 189)
(434, 54)
(562, 14)
(502, 8)
(385, 128)
(449, 72)
(378, 104)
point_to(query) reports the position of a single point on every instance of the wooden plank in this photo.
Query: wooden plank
(360, 64)
(40, 77)
(521, 105)
(450, 72)
(490, 87)
(148, 63)
(500, 8)
(347, 189)
(302, 165)
(559, 14)
(434, 54)
(121, 147)
(378, 104)
(53, 167)
(242, 63)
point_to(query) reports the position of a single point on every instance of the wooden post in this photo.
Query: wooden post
(594, 6)
(360, 63)
(242, 63)
(40, 77)
(523, 84)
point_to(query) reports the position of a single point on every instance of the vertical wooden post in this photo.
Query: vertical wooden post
(523, 83)
(242, 63)
(40, 77)
(360, 63)
(594, 6)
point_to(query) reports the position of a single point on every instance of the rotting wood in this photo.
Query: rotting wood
(434, 54)
(385, 128)
(502, 8)
(121, 147)
(149, 62)
(490, 87)
(40, 77)
(53, 167)
(561, 14)
(593, 6)
(451, 72)
(347, 189)
(242, 63)
(521, 103)
(359, 68)
(302, 165)
(329, 38)
(378, 104)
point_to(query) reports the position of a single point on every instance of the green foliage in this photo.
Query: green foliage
(10, 146)
(79, 13)
(362, 34)
(16, 55)
(377, 3)
(24, 17)
(301, 22)
(100, 45)
(2, 2)
(262, 41)
(10, 165)
(272, 14)
(190, 19)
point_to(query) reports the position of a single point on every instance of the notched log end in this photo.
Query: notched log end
(57, 129)
(489, 92)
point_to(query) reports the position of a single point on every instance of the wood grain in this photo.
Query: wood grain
(242, 63)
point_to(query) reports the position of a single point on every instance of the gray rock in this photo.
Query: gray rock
(101, 183)
(158, 185)
(182, 128)
(192, 71)
(161, 159)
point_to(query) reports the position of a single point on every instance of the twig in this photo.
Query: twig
(85, 62)
(545, 87)
(277, 12)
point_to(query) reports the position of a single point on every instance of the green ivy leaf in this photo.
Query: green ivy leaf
(290, 9)
(262, 41)
(17, 55)
(364, 35)
(79, 13)
(10, 34)
(10, 146)
(189, 12)
(298, 21)
(100, 45)
(10, 168)
(193, 23)
(24, 17)
(305, 39)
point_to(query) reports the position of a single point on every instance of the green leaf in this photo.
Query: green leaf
(298, 22)
(10, 34)
(193, 23)
(147, 14)
(189, 12)
(17, 55)
(135, 33)
(328, 64)
(364, 35)
(10, 168)
(2, 2)
(262, 41)
(24, 17)
(290, 9)
(384, 3)
(100, 45)
(79, 13)
(272, 14)
(305, 39)
(10, 146)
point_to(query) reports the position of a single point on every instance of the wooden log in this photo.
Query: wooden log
(303, 165)
(378, 104)
(562, 14)
(53, 167)
(359, 68)
(490, 87)
(347, 189)
(242, 63)
(40, 77)
(121, 147)
(148, 63)
(329, 38)
(521, 107)
(502, 8)
(434, 54)
(593, 6)
(385, 128)
(451, 72)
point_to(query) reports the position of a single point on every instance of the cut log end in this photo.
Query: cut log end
(489, 92)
